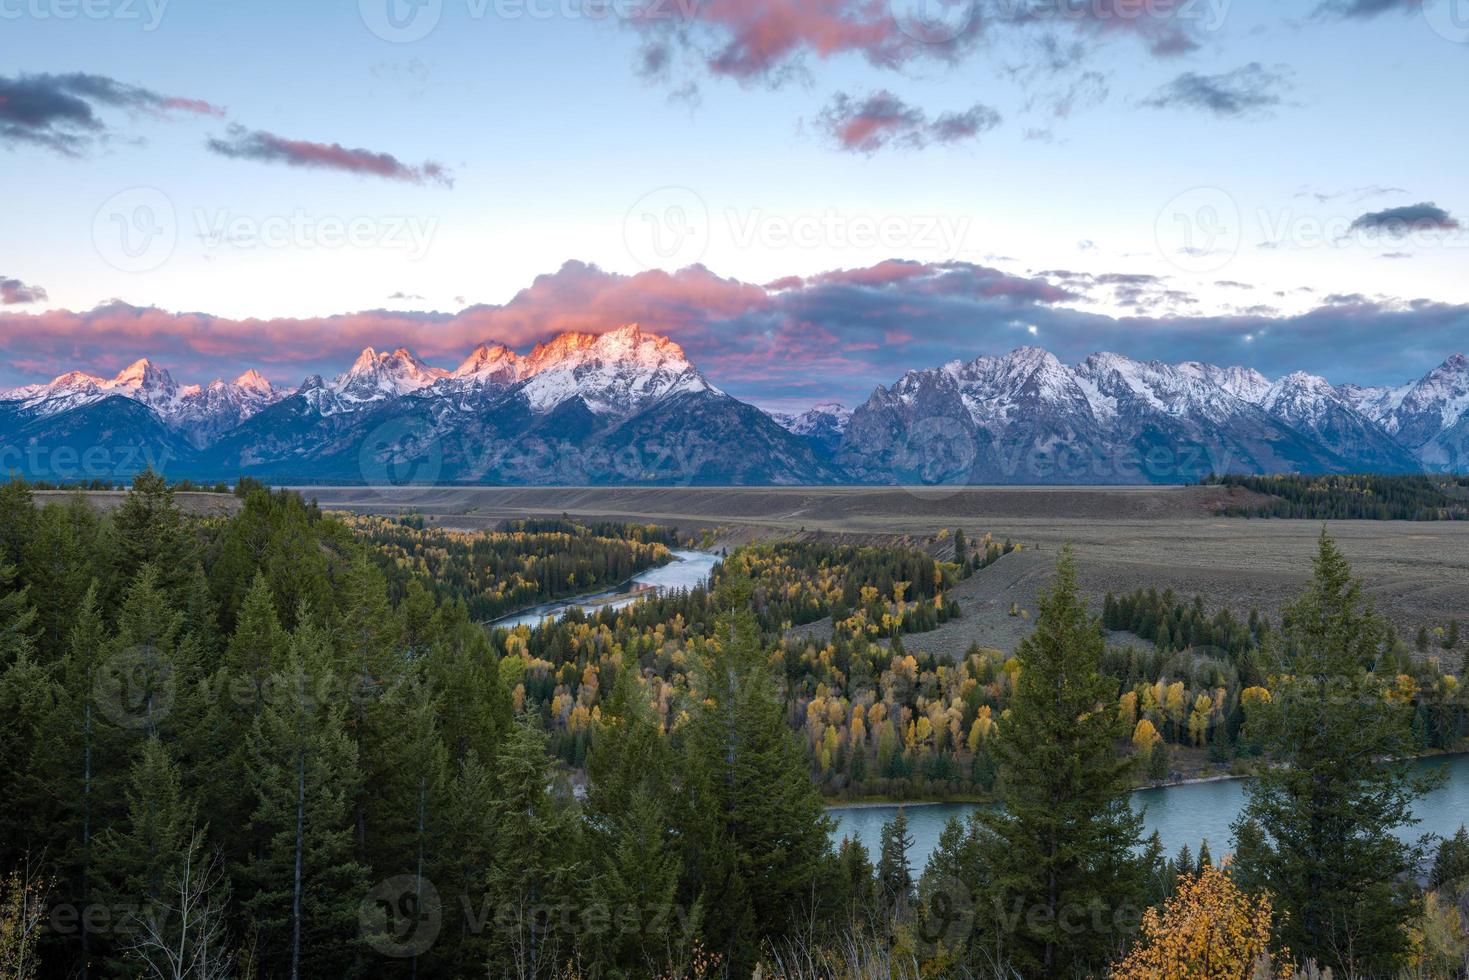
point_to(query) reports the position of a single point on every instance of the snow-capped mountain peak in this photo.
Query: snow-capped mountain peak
(200, 412)
(821, 417)
(494, 363)
(376, 376)
(613, 373)
(252, 380)
(142, 373)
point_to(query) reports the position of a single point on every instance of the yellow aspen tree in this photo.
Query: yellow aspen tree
(1198, 719)
(1127, 708)
(828, 748)
(1175, 703)
(1144, 737)
(1209, 930)
(984, 718)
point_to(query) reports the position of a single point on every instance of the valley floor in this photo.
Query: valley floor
(1126, 538)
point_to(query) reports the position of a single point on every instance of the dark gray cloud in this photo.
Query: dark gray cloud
(1423, 216)
(13, 292)
(881, 120)
(62, 112)
(243, 144)
(1365, 9)
(1247, 90)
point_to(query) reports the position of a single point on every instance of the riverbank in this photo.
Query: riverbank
(685, 570)
(886, 802)
(1181, 813)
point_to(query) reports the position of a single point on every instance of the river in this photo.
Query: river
(1189, 813)
(687, 570)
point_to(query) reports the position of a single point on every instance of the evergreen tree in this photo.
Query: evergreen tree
(1321, 819)
(461, 868)
(369, 638)
(632, 840)
(758, 838)
(59, 565)
(894, 872)
(402, 799)
(1451, 865)
(1158, 761)
(858, 884)
(17, 618)
(1065, 842)
(535, 871)
(475, 710)
(147, 664)
(27, 694)
(1184, 863)
(954, 874)
(134, 859)
(148, 529)
(256, 649)
(304, 888)
(87, 757)
(17, 520)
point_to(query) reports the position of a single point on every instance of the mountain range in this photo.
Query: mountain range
(627, 406)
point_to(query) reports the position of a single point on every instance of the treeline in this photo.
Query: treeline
(495, 573)
(1355, 497)
(1191, 687)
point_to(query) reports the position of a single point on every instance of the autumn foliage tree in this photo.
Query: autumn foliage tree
(1209, 930)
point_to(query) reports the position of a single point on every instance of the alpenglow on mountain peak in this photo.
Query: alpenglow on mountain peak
(629, 401)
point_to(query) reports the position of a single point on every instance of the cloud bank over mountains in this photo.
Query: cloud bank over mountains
(787, 342)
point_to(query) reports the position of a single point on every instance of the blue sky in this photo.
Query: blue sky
(1093, 148)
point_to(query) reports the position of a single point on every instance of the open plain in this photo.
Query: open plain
(1126, 538)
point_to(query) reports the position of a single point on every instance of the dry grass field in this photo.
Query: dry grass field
(1128, 537)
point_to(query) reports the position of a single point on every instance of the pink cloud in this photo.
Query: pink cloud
(198, 106)
(882, 119)
(13, 292)
(775, 336)
(768, 39)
